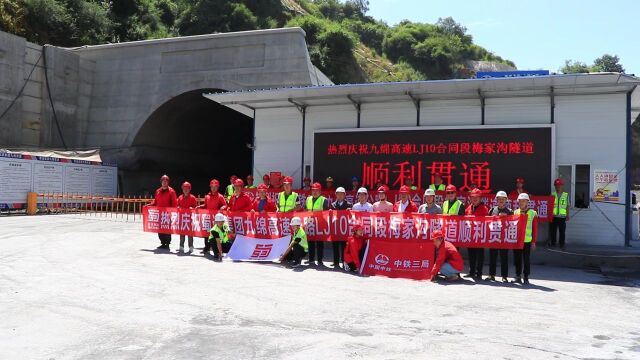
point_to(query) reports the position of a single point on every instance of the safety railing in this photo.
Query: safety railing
(123, 207)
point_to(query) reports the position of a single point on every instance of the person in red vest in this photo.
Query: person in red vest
(476, 255)
(449, 262)
(213, 201)
(405, 205)
(165, 196)
(240, 201)
(354, 249)
(186, 201)
(519, 188)
(262, 203)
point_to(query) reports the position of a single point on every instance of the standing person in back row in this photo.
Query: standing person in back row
(382, 205)
(429, 206)
(186, 201)
(362, 204)
(165, 196)
(405, 205)
(452, 205)
(214, 202)
(228, 193)
(316, 202)
(250, 184)
(437, 183)
(560, 214)
(531, 233)
(476, 255)
(240, 201)
(500, 209)
(341, 203)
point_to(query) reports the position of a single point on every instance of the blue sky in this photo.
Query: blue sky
(534, 34)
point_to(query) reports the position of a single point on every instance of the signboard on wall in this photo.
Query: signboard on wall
(605, 186)
(20, 174)
(490, 158)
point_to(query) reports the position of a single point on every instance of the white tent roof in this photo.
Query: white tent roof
(558, 85)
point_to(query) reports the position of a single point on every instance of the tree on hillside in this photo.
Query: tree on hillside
(605, 63)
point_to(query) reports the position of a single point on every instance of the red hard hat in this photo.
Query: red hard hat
(249, 177)
(233, 178)
(214, 182)
(436, 234)
(265, 177)
(262, 187)
(357, 227)
(476, 192)
(404, 189)
(306, 178)
(450, 188)
(186, 185)
(316, 186)
(382, 189)
(165, 177)
(437, 174)
(558, 182)
(520, 180)
(287, 180)
(238, 182)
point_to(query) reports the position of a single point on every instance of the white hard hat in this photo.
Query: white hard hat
(523, 196)
(430, 192)
(340, 189)
(295, 221)
(501, 194)
(362, 191)
(219, 217)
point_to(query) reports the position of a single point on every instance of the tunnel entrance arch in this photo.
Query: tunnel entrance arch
(191, 138)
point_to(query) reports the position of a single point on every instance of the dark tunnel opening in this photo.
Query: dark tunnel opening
(190, 138)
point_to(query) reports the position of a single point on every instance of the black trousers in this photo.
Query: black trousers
(352, 265)
(296, 254)
(207, 246)
(338, 251)
(522, 254)
(504, 262)
(165, 239)
(316, 248)
(560, 224)
(476, 261)
(225, 247)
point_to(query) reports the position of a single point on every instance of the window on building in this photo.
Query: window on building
(582, 186)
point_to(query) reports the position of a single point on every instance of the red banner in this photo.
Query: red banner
(410, 259)
(500, 232)
(543, 205)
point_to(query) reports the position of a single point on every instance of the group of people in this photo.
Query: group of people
(348, 254)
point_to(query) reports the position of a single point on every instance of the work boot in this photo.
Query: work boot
(490, 278)
(517, 280)
(505, 280)
(190, 249)
(526, 280)
(469, 275)
(180, 249)
(161, 246)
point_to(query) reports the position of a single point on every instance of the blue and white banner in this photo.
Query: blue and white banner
(246, 248)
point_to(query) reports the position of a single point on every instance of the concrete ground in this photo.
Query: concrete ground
(75, 287)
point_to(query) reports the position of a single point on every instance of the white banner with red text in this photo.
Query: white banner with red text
(246, 248)
(500, 232)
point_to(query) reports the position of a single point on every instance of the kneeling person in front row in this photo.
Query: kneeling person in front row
(356, 246)
(449, 262)
(219, 239)
(298, 247)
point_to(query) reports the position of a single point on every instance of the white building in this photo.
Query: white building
(590, 116)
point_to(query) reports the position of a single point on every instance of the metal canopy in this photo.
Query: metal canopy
(331, 95)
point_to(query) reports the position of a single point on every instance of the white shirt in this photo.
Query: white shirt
(403, 205)
(367, 207)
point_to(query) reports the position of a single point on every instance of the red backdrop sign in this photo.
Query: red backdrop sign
(504, 232)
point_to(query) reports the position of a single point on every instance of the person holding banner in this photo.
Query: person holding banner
(213, 201)
(354, 251)
(430, 206)
(262, 203)
(476, 255)
(452, 205)
(382, 205)
(341, 203)
(240, 201)
(230, 189)
(288, 200)
(362, 204)
(405, 205)
(299, 246)
(530, 236)
(250, 182)
(500, 209)
(164, 196)
(437, 183)
(316, 202)
(448, 262)
(186, 201)
(560, 214)
(219, 239)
